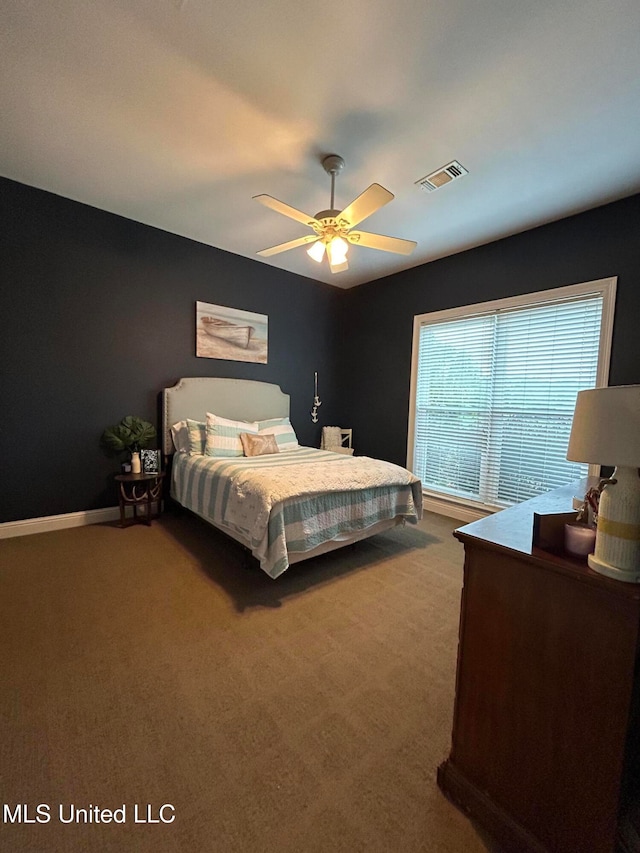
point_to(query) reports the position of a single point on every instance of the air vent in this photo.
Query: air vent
(442, 176)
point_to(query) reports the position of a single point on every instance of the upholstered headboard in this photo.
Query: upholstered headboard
(238, 399)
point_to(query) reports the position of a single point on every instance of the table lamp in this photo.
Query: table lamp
(606, 431)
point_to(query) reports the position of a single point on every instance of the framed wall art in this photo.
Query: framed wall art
(230, 333)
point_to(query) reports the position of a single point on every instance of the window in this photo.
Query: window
(494, 388)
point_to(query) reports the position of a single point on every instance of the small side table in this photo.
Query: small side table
(138, 490)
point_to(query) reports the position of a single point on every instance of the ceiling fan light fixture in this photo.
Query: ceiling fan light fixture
(337, 251)
(316, 251)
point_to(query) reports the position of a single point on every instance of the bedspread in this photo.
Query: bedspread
(294, 501)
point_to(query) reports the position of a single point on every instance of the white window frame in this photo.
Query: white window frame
(468, 510)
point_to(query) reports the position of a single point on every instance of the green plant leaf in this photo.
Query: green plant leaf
(116, 439)
(130, 434)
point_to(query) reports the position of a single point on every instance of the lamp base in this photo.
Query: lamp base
(626, 575)
(617, 552)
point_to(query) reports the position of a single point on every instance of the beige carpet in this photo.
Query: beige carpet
(148, 666)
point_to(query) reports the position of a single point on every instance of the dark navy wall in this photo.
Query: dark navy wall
(97, 315)
(376, 319)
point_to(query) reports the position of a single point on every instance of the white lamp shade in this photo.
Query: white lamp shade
(316, 251)
(606, 427)
(338, 249)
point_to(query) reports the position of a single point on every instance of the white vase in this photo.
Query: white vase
(135, 463)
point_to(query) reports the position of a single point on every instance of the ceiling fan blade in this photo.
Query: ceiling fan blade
(286, 210)
(372, 199)
(339, 267)
(378, 241)
(284, 247)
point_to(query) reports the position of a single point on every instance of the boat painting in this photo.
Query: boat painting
(230, 333)
(238, 335)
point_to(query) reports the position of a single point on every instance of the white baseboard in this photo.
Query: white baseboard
(452, 509)
(48, 523)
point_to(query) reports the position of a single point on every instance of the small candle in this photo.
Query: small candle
(315, 384)
(579, 539)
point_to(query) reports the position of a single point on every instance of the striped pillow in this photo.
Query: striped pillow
(197, 434)
(286, 438)
(223, 436)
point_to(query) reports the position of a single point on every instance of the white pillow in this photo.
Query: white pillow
(180, 437)
(223, 436)
(286, 438)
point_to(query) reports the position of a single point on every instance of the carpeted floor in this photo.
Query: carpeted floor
(148, 666)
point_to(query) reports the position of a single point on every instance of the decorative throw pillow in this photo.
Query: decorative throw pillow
(197, 431)
(281, 428)
(223, 436)
(258, 445)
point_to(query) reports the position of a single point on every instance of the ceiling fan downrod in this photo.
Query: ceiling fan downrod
(333, 164)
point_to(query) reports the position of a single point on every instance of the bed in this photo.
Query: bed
(284, 506)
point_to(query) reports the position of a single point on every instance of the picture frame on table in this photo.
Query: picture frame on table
(151, 461)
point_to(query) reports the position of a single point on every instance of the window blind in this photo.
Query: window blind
(495, 395)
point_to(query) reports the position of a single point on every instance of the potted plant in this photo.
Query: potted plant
(129, 436)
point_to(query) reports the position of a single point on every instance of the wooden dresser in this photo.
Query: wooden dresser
(544, 743)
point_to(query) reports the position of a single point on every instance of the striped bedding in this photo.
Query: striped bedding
(295, 501)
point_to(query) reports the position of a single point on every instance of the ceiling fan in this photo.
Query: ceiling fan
(332, 228)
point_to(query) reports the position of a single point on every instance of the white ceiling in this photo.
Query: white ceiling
(176, 112)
